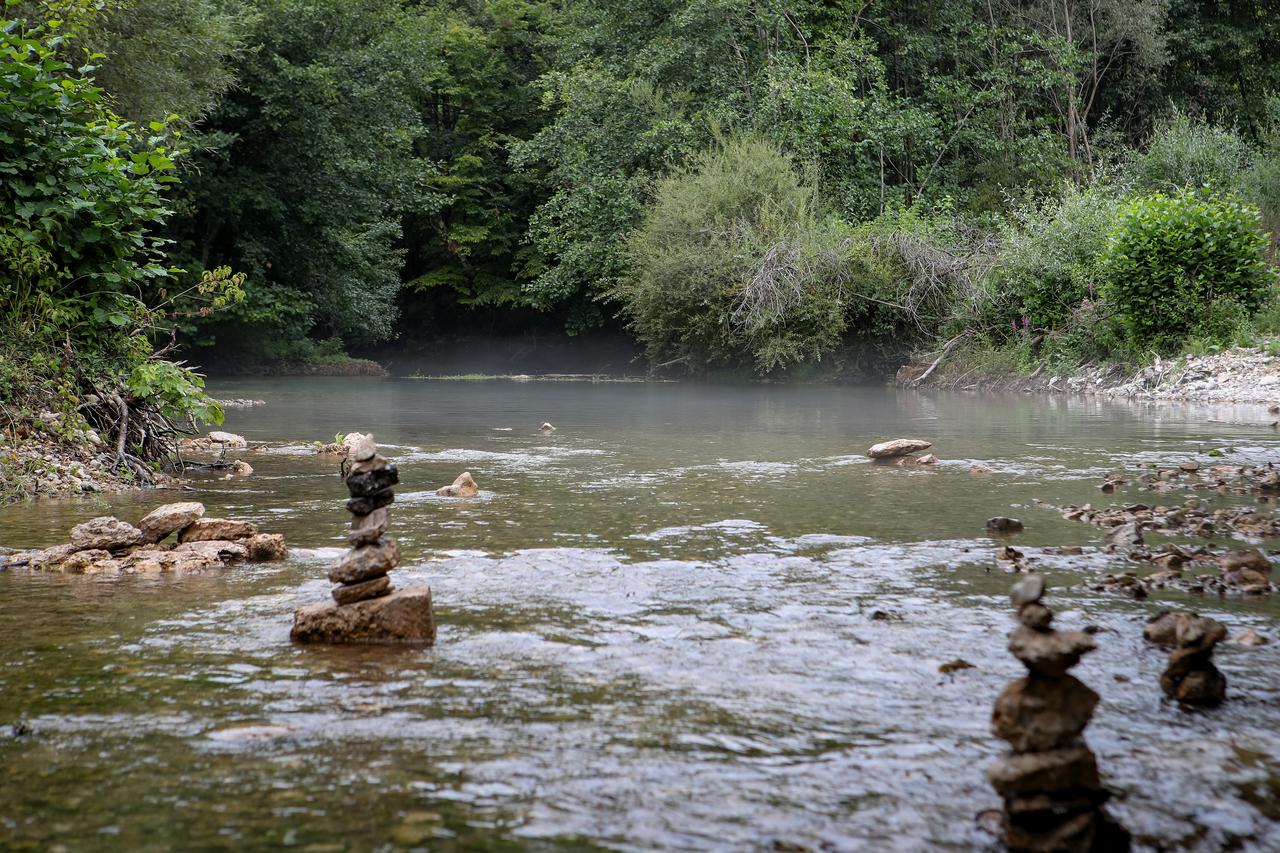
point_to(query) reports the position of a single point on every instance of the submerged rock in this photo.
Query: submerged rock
(1004, 524)
(463, 487)
(898, 447)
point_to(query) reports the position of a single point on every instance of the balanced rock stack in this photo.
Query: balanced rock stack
(365, 609)
(1049, 780)
(1191, 678)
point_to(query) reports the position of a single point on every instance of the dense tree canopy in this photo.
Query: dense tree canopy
(384, 168)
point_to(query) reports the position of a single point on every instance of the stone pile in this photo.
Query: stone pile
(1053, 797)
(1191, 678)
(109, 545)
(365, 608)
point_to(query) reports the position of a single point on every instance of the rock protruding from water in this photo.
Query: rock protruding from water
(366, 608)
(1053, 796)
(107, 545)
(898, 447)
(1191, 678)
(463, 487)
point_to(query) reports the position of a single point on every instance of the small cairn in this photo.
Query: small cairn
(1053, 797)
(365, 609)
(1191, 678)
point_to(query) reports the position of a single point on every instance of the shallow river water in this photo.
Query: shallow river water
(656, 632)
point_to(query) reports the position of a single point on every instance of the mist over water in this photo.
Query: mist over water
(656, 631)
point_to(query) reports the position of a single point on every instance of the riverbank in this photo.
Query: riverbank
(37, 466)
(1241, 375)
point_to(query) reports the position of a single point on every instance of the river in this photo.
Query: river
(656, 632)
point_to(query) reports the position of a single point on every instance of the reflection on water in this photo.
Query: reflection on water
(656, 632)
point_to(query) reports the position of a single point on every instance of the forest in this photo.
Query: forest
(805, 189)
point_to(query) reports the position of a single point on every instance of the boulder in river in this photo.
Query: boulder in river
(170, 518)
(106, 532)
(209, 529)
(1245, 568)
(228, 439)
(404, 616)
(898, 447)
(1004, 524)
(463, 487)
(266, 547)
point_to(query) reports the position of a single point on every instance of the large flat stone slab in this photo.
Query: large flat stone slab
(404, 616)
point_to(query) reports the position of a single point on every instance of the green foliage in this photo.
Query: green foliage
(174, 390)
(305, 168)
(165, 58)
(1049, 260)
(1169, 257)
(735, 263)
(1187, 153)
(82, 272)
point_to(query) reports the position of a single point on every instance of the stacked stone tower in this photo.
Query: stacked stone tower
(1053, 797)
(1191, 678)
(362, 572)
(365, 609)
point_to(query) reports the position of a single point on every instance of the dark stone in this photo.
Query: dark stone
(366, 562)
(1002, 524)
(368, 503)
(367, 529)
(352, 592)
(370, 482)
(1039, 713)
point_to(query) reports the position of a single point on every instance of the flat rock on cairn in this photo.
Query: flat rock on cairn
(898, 447)
(1053, 796)
(365, 607)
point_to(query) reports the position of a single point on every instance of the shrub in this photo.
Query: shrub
(1168, 258)
(735, 262)
(84, 279)
(1049, 261)
(1188, 153)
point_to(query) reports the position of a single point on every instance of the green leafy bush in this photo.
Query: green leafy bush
(1168, 258)
(735, 263)
(1049, 260)
(84, 279)
(1187, 153)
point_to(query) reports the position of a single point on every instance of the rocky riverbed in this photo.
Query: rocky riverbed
(1243, 375)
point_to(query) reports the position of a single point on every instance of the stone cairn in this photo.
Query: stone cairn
(1053, 797)
(365, 609)
(1191, 678)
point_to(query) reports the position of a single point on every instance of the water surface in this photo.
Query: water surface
(656, 632)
